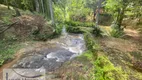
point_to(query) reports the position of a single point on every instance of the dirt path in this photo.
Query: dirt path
(9, 64)
(133, 35)
(125, 52)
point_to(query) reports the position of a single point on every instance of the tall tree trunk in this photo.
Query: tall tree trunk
(51, 11)
(37, 5)
(42, 6)
(98, 12)
(47, 10)
(7, 3)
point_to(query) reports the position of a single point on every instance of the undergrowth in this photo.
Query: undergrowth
(77, 23)
(7, 50)
(116, 31)
(103, 69)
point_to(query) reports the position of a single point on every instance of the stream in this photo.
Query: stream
(68, 46)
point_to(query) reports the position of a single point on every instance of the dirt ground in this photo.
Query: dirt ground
(125, 52)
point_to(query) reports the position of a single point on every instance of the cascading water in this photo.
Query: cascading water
(67, 47)
(74, 44)
(64, 32)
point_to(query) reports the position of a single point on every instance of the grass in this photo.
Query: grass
(7, 50)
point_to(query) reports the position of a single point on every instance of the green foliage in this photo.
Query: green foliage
(58, 30)
(78, 27)
(113, 5)
(80, 15)
(77, 23)
(105, 70)
(91, 44)
(97, 32)
(7, 49)
(65, 10)
(72, 29)
(26, 3)
(6, 19)
(90, 4)
(58, 13)
(116, 32)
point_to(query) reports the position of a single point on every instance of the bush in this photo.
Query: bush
(91, 44)
(97, 32)
(78, 14)
(78, 17)
(82, 24)
(57, 31)
(72, 29)
(116, 33)
(105, 70)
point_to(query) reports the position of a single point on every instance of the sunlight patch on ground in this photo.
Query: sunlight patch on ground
(131, 32)
(4, 6)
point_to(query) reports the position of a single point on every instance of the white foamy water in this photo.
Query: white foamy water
(74, 44)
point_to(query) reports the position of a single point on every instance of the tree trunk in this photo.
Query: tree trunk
(51, 11)
(42, 6)
(37, 5)
(98, 12)
(47, 10)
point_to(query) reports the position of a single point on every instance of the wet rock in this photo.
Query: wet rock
(51, 58)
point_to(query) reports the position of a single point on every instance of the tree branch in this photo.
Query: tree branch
(9, 26)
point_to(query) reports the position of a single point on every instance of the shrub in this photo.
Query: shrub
(97, 32)
(77, 23)
(57, 31)
(72, 29)
(105, 70)
(91, 44)
(116, 33)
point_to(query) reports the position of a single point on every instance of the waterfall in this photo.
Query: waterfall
(64, 32)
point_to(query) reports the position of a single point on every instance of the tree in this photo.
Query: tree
(51, 11)
(37, 5)
(99, 3)
(118, 9)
